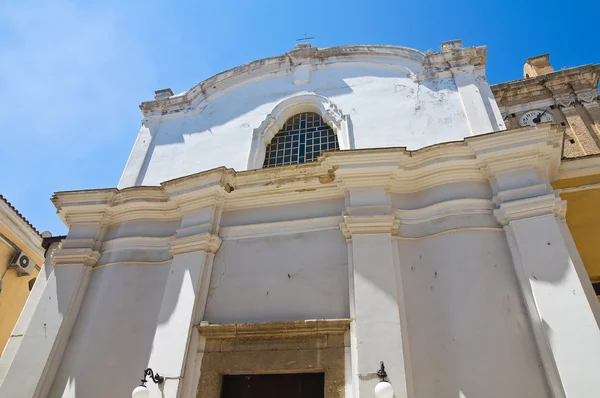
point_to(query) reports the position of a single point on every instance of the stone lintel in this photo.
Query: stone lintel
(274, 329)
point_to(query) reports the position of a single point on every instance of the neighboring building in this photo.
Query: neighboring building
(21, 255)
(568, 97)
(284, 226)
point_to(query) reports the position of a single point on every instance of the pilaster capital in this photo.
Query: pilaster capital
(75, 256)
(588, 98)
(537, 206)
(369, 225)
(204, 241)
(566, 102)
(521, 158)
(454, 59)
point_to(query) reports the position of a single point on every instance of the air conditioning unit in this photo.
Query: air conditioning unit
(22, 263)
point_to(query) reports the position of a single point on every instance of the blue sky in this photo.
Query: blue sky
(72, 73)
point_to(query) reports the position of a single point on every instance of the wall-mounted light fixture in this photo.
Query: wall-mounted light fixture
(141, 391)
(383, 389)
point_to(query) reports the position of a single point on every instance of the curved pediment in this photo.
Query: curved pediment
(365, 54)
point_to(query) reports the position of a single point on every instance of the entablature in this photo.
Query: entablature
(397, 170)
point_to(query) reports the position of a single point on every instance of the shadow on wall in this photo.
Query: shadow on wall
(215, 113)
(465, 308)
(234, 116)
(112, 340)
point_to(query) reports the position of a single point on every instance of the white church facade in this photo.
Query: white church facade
(299, 220)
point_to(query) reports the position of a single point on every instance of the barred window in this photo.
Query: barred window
(303, 138)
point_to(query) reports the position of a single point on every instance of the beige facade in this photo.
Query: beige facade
(17, 235)
(567, 97)
(275, 347)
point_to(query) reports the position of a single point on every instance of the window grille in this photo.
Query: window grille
(303, 138)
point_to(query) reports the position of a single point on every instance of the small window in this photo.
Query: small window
(303, 138)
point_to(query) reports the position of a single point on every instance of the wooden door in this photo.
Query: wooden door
(305, 385)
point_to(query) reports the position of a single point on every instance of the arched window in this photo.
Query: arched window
(303, 138)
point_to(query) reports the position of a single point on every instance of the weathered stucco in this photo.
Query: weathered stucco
(391, 97)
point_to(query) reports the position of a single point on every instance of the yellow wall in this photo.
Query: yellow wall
(15, 290)
(583, 219)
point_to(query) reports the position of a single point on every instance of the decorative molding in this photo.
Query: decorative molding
(566, 102)
(536, 148)
(449, 208)
(447, 63)
(29, 241)
(531, 207)
(577, 189)
(588, 98)
(274, 329)
(331, 114)
(234, 78)
(480, 158)
(75, 257)
(368, 225)
(206, 242)
(132, 263)
(451, 231)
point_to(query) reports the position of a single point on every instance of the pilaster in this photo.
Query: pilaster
(184, 301)
(13, 344)
(591, 105)
(551, 274)
(467, 66)
(581, 129)
(376, 301)
(132, 174)
(45, 338)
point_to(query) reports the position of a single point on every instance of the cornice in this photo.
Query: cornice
(451, 61)
(538, 147)
(274, 329)
(268, 67)
(553, 87)
(579, 167)
(24, 232)
(433, 65)
(397, 170)
(457, 207)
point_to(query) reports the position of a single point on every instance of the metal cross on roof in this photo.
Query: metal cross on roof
(305, 38)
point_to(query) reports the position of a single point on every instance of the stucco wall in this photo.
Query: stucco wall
(277, 278)
(387, 107)
(112, 338)
(468, 331)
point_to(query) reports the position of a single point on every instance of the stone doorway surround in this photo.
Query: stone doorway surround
(274, 348)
